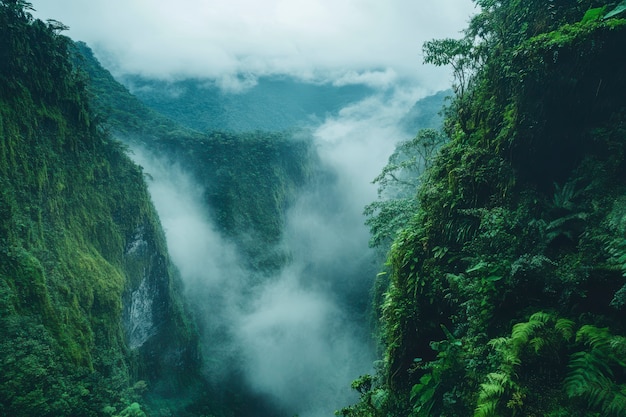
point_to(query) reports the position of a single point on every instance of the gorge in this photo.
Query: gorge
(200, 247)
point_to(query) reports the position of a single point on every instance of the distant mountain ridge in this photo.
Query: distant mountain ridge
(273, 104)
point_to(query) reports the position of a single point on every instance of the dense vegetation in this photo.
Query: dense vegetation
(78, 238)
(506, 289)
(248, 178)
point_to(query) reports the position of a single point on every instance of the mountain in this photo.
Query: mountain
(272, 104)
(504, 291)
(249, 182)
(426, 113)
(91, 313)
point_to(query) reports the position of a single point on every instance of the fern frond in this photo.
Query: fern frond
(537, 343)
(589, 378)
(618, 347)
(523, 332)
(566, 328)
(491, 390)
(541, 317)
(498, 342)
(499, 378)
(486, 409)
(617, 405)
(510, 359)
(594, 337)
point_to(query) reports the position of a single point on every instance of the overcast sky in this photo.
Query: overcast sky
(378, 41)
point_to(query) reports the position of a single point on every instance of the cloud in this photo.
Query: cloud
(299, 349)
(310, 39)
(358, 142)
(382, 79)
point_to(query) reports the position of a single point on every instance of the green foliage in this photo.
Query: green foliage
(71, 202)
(249, 178)
(422, 395)
(133, 410)
(268, 103)
(591, 372)
(490, 393)
(455, 53)
(520, 212)
(619, 9)
(593, 14)
(539, 338)
(431, 391)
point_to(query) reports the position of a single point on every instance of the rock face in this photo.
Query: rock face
(140, 322)
(152, 310)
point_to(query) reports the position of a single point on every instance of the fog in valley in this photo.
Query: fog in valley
(297, 338)
(294, 338)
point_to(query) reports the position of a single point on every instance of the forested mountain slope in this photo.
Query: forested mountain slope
(90, 307)
(506, 292)
(248, 178)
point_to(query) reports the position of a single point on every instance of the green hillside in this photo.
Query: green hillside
(505, 289)
(249, 178)
(79, 243)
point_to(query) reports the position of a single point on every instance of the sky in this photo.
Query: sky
(344, 41)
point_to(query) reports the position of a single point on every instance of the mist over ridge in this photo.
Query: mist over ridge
(337, 41)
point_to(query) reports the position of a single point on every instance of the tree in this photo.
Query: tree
(398, 183)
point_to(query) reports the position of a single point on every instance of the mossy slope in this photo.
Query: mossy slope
(506, 294)
(71, 206)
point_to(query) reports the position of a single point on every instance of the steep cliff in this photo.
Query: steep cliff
(506, 285)
(89, 303)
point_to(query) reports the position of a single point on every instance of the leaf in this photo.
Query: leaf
(593, 14)
(493, 278)
(480, 265)
(619, 9)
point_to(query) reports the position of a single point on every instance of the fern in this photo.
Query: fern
(542, 332)
(591, 372)
(587, 372)
(486, 409)
(491, 392)
(594, 337)
(565, 327)
(523, 332)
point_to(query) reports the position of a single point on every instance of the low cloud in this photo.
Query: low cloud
(308, 39)
(377, 79)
